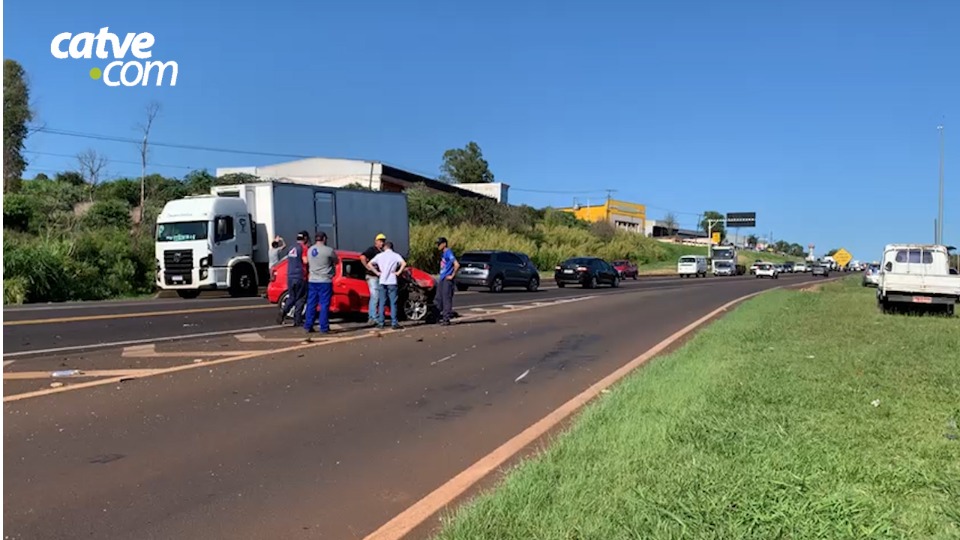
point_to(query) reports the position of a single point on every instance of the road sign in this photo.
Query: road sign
(741, 219)
(716, 238)
(842, 257)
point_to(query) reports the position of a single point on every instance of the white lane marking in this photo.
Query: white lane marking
(444, 359)
(150, 351)
(522, 376)
(135, 342)
(8, 362)
(21, 375)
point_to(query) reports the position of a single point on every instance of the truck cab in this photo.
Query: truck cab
(205, 243)
(917, 275)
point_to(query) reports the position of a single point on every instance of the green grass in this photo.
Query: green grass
(763, 426)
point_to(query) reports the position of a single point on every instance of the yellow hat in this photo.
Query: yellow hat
(381, 236)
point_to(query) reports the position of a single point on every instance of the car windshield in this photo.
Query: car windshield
(475, 257)
(182, 232)
(688, 260)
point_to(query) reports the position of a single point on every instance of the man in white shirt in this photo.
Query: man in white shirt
(388, 264)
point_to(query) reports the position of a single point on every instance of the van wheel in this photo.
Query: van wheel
(243, 282)
(188, 294)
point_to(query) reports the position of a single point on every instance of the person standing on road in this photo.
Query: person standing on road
(322, 262)
(389, 265)
(449, 265)
(373, 282)
(296, 282)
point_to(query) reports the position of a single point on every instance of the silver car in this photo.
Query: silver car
(871, 276)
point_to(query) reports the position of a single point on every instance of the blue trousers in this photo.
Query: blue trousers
(388, 291)
(319, 294)
(373, 285)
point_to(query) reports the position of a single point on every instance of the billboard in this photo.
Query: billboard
(741, 219)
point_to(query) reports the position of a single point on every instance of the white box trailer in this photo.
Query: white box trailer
(222, 240)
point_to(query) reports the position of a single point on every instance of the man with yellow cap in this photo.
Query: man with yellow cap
(373, 281)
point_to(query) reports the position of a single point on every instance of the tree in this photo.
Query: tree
(465, 166)
(669, 223)
(713, 215)
(152, 110)
(782, 246)
(16, 115)
(91, 166)
(752, 240)
(831, 252)
(796, 250)
(70, 177)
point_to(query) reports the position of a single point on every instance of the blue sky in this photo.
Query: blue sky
(820, 115)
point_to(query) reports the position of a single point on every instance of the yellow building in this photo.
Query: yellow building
(621, 214)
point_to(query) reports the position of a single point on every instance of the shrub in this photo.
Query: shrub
(17, 212)
(108, 213)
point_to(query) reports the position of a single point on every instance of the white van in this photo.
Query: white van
(692, 265)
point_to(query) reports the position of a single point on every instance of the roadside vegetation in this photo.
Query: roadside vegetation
(800, 415)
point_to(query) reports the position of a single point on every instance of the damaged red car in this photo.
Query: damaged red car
(351, 295)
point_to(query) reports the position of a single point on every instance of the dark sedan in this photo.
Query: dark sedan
(586, 271)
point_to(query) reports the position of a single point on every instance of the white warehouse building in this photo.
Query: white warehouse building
(337, 172)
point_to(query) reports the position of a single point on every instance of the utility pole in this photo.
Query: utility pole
(940, 206)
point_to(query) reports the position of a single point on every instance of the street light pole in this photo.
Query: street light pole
(940, 206)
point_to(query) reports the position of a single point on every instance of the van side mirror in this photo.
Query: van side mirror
(954, 271)
(221, 229)
(888, 267)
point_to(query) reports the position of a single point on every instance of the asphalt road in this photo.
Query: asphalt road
(79, 326)
(329, 440)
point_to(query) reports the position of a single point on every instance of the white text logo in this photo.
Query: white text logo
(140, 72)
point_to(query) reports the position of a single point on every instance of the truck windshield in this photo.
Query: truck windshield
(181, 232)
(723, 254)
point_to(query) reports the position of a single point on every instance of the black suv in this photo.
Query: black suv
(496, 270)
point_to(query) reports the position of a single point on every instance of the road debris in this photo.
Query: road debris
(875, 403)
(66, 373)
(522, 376)
(56, 384)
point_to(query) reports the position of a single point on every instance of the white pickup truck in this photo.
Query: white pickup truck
(917, 275)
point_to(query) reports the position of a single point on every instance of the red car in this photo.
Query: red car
(626, 268)
(350, 292)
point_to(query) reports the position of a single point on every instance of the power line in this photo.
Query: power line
(54, 154)
(100, 137)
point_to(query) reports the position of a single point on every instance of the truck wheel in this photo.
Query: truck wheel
(188, 294)
(243, 282)
(950, 310)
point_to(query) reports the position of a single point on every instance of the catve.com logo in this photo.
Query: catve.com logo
(105, 44)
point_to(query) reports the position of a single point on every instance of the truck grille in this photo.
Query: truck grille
(178, 263)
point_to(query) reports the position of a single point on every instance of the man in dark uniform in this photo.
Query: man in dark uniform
(296, 280)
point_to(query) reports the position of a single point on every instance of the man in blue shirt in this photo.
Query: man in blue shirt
(448, 269)
(296, 284)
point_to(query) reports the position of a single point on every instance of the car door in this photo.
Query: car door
(604, 271)
(509, 266)
(351, 292)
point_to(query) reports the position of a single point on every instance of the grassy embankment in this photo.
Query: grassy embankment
(800, 415)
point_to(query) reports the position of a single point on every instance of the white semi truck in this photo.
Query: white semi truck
(222, 241)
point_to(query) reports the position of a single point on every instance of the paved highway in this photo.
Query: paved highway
(258, 435)
(83, 326)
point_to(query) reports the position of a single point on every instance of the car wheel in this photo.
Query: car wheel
(497, 284)
(462, 288)
(416, 307)
(561, 284)
(533, 284)
(592, 284)
(616, 282)
(188, 294)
